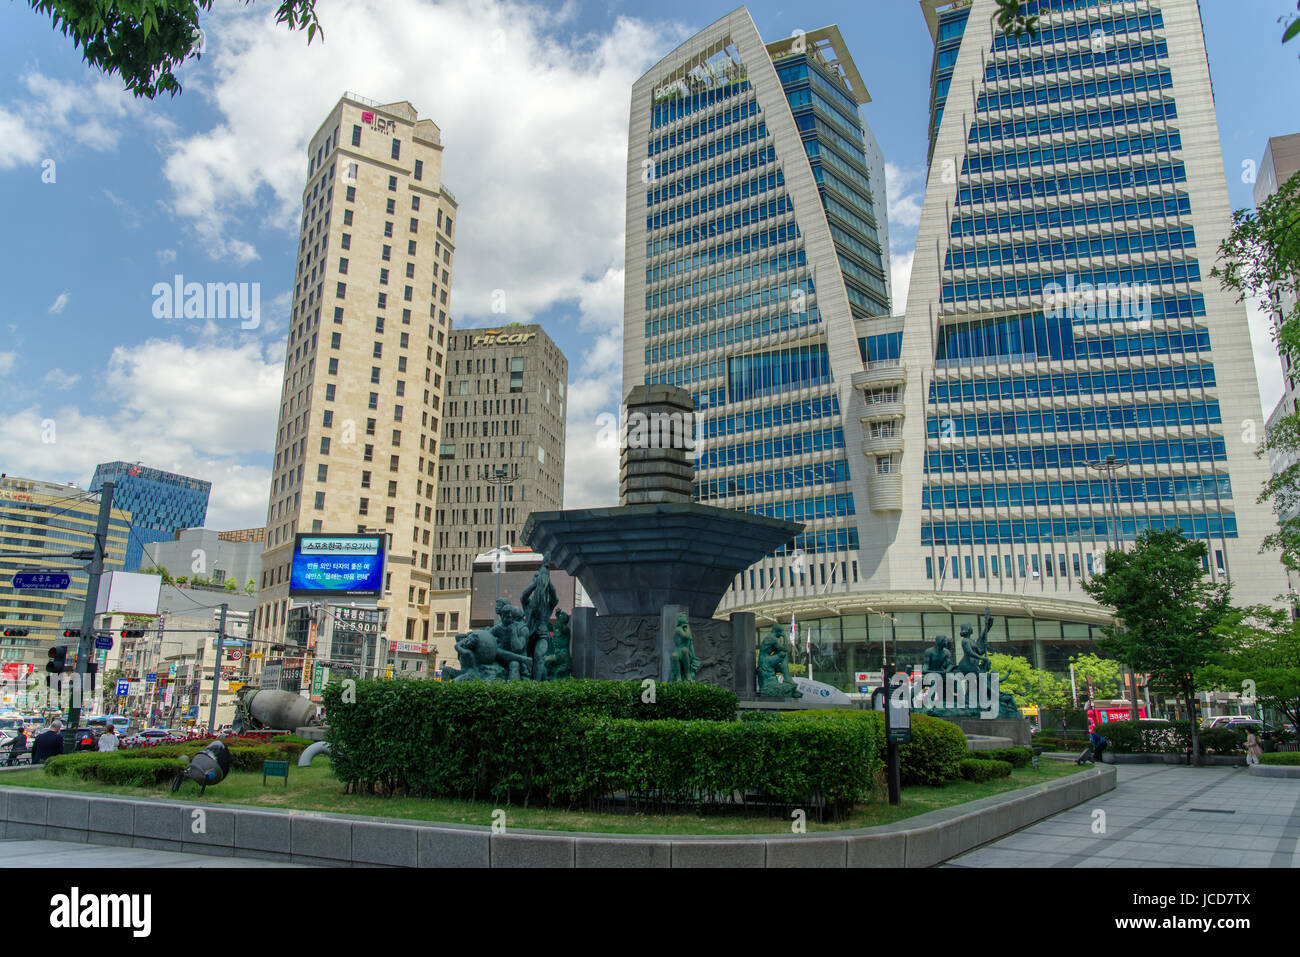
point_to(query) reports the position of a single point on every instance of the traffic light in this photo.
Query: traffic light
(57, 664)
(72, 633)
(15, 632)
(132, 633)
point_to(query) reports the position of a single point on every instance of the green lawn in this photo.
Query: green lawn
(316, 789)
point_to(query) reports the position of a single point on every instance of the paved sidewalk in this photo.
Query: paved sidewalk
(66, 854)
(1162, 815)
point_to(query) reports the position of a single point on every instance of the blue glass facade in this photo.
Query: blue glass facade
(161, 503)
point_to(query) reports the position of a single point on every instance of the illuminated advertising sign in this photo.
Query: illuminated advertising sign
(326, 566)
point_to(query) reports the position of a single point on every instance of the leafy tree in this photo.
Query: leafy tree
(1101, 672)
(250, 587)
(1014, 22)
(1261, 257)
(1168, 613)
(161, 572)
(1262, 660)
(231, 585)
(145, 41)
(1029, 685)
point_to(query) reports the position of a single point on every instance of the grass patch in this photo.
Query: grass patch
(316, 789)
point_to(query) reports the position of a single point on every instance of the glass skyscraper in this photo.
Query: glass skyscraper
(161, 503)
(1067, 372)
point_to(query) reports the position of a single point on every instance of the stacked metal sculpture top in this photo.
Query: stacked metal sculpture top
(518, 646)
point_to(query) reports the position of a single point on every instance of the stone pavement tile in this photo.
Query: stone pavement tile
(1255, 859)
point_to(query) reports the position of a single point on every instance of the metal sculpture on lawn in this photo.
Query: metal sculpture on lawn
(774, 680)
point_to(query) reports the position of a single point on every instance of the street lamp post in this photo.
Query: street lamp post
(500, 477)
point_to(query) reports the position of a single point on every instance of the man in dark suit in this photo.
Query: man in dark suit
(48, 743)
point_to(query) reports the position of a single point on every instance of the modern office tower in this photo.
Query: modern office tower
(361, 408)
(505, 405)
(43, 518)
(757, 280)
(1060, 313)
(161, 503)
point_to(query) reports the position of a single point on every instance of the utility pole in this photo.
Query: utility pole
(87, 641)
(216, 671)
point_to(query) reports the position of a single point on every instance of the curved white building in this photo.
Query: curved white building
(1067, 372)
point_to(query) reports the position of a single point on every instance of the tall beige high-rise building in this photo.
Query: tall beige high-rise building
(361, 408)
(504, 420)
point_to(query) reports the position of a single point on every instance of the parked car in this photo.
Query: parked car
(148, 736)
(86, 739)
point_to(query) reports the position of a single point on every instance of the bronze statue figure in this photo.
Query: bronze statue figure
(774, 679)
(939, 658)
(558, 663)
(684, 663)
(975, 654)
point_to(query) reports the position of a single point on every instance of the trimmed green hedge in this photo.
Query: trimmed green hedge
(1285, 758)
(933, 756)
(1016, 757)
(980, 770)
(1171, 737)
(822, 765)
(116, 767)
(498, 740)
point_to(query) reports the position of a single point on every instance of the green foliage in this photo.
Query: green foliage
(1016, 757)
(1029, 685)
(475, 739)
(116, 767)
(813, 764)
(146, 41)
(1284, 758)
(1262, 660)
(1102, 672)
(1171, 614)
(161, 572)
(933, 756)
(1013, 22)
(980, 770)
(1169, 737)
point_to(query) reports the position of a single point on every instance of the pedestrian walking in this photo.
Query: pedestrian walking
(107, 740)
(1253, 748)
(48, 743)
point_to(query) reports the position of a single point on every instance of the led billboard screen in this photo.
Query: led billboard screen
(337, 566)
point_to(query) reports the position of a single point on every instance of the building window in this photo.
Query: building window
(383, 300)
(393, 462)
(397, 415)
(329, 392)
(415, 224)
(351, 197)
(324, 445)
(374, 374)
(336, 340)
(356, 136)
(379, 350)
(365, 480)
(392, 184)
(374, 400)
(364, 507)
(410, 247)
(322, 472)
(327, 418)
(383, 277)
(390, 516)
(368, 454)
(419, 170)
(334, 367)
(392, 207)
(343, 266)
(386, 253)
(397, 149)
(415, 203)
(345, 241)
(379, 324)
(341, 291)
(392, 490)
(370, 426)
(397, 437)
(320, 501)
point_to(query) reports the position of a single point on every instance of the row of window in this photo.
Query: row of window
(980, 425)
(821, 542)
(1081, 455)
(806, 509)
(1102, 493)
(722, 146)
(1101, 148)
(1075, 214)
(843, 121)
(772, 416)
(1038, 187)
(1022, 532)
(712, 122)
(1150, 81)
(1087, 59)
(1082, 30)
(707, 177)
(740, 219)
(674, 109)
(755, 186)
(773, 480)
(741, 332)
(742, 246)
(778, 371)
(809, 123)
(1037, 386)
(766, 450)
(667, 295)
(793, 75)
(1035, 336)
(993, 130)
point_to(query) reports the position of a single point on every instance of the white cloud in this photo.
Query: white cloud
(904, 205)
(590, 467)
(900, 274)
(20, 144)
(7, 362)
(203, 410)
(59, 304)
(130, 215)
(59, 379)
(166, 256)
(535, 131)
(1268, 367)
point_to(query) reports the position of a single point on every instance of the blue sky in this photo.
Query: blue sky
(532, 100)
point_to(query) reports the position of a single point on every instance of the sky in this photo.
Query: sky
(103, 196)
